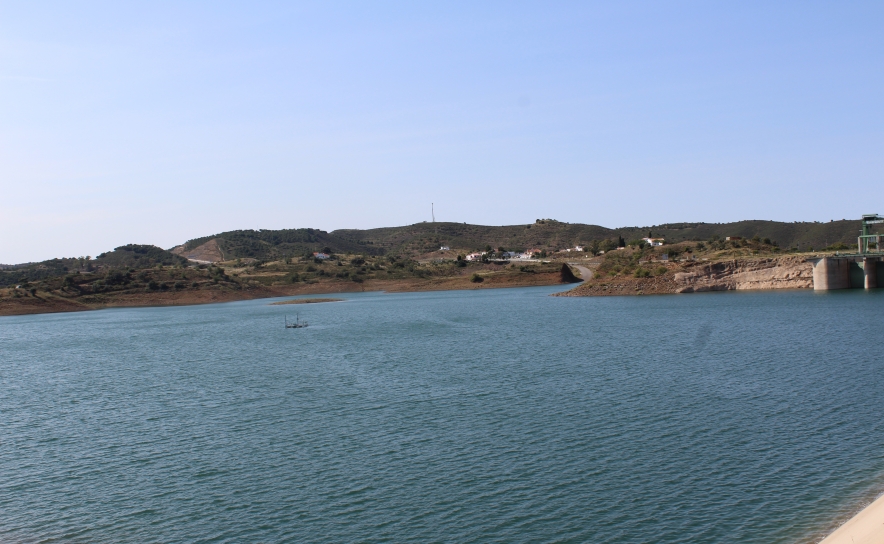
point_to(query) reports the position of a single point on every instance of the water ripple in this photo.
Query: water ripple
(491, 416)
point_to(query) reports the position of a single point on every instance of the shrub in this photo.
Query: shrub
(194, 285)
(642, 273)
(837, 246)
(476, 278)
(152, 285)
(116, 277)
(660, 270)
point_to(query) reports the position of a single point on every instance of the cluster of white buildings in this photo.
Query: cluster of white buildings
(477, 256)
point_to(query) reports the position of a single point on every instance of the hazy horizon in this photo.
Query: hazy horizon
(157, 124)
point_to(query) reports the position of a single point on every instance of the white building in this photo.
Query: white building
(475, 256)
(654, 241)
(444, 248)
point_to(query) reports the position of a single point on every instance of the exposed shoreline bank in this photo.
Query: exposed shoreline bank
(43, 303)
(698, 277)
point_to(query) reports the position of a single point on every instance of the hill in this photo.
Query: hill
(268, 245)
(423, 238)
(128, 256)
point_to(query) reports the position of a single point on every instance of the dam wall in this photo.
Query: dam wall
(849, 272)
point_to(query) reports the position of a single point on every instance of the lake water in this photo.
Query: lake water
(471, 416)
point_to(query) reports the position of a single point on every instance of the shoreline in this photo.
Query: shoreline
(45, 304)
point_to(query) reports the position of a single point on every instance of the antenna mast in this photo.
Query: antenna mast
(433, 211)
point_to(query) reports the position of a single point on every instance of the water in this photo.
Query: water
(480, 416)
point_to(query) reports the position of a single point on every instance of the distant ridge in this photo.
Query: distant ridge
(422, 238)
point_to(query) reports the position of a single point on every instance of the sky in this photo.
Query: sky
(159, 122)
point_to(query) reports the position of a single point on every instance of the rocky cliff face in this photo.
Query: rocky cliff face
(779, 273)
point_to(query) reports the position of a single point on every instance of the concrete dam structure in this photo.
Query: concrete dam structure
(849, 272)
(864, 270)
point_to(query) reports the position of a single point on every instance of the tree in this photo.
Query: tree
(607, 245)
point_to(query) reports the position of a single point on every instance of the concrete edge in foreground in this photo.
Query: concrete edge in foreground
(867, 527)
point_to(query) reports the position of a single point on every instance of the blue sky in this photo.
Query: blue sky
(161, 122)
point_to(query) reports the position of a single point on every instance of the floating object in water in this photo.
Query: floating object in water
(298, 324)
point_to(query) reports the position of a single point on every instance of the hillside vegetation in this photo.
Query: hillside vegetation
(420, 239)
(423, 240)
(268, 245)
(132, 256)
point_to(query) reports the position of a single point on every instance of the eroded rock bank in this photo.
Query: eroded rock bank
(695, 277)
(776, 273)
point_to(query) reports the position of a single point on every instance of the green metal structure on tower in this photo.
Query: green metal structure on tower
(865, 239)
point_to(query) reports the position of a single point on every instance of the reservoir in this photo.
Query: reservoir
(470, 416)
